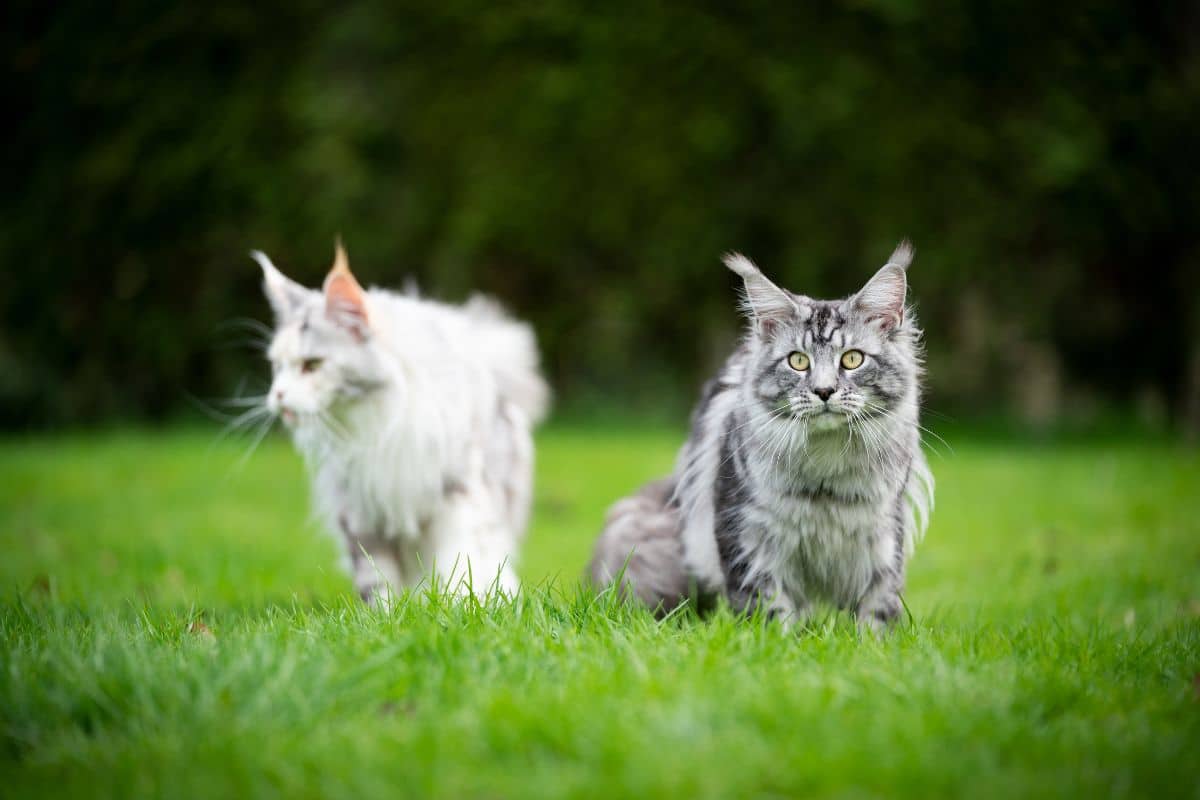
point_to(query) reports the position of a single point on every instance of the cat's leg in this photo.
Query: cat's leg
(791, 605)
(787, 606)
(377, 574)
(880, 605)
(471, 544)
(752, 579)
(373, 566)
(508, 465)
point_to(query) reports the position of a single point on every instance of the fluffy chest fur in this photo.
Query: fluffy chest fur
(800, 518)
(819, 522)
(383, 464)
(387, 488)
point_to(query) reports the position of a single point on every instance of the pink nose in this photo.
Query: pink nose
(279, 394)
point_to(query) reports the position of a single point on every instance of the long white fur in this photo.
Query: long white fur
(427, 456)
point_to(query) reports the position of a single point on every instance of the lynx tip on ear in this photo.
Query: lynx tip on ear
(341, 262)
(902, 256)
(736, 262)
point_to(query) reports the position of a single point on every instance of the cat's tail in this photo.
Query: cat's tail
(510, 347)
(641, 548)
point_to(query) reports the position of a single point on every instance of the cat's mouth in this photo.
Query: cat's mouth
(811, 414)
(289, 417)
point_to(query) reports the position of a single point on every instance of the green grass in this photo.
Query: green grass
(173, 624)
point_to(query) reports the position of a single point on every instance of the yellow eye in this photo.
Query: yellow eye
(852, 359)
(310, 364)
(798, 361)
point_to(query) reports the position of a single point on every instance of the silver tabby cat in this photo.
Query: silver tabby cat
(803, 478)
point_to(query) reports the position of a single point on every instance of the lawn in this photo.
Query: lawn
(172, 624)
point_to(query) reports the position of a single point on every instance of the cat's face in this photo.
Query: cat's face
(827, 362)
(322, 356)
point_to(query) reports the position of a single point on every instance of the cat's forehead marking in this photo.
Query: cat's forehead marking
(824, 323)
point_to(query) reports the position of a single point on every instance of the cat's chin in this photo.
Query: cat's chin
(826, 421)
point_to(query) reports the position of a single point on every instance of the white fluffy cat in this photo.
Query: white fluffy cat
(415, 420)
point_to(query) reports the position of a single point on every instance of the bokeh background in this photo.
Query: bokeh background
(173, 620)
(588, 166)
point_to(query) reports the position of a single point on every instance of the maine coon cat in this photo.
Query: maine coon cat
(415, 419)
(803, 477)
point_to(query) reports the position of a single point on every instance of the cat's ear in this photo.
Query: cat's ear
(881, 301)
(764, 302)
(345, 300)
(283, 293)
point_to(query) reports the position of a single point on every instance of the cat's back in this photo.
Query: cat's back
(475, 337)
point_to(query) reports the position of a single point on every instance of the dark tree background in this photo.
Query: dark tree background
(588, 165)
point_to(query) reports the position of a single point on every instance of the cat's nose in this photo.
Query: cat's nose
(823, 393)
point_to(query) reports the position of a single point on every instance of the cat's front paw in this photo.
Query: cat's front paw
(378, 596)
(880, 616)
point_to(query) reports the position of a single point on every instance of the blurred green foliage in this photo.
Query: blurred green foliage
(588, 165)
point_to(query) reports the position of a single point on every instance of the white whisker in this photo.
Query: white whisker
(263, 430)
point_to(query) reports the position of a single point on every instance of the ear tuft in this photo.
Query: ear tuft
(341, 262)
(345, 300)
(765, 303)
(902, 256)
(736, 262)
(284, 294)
